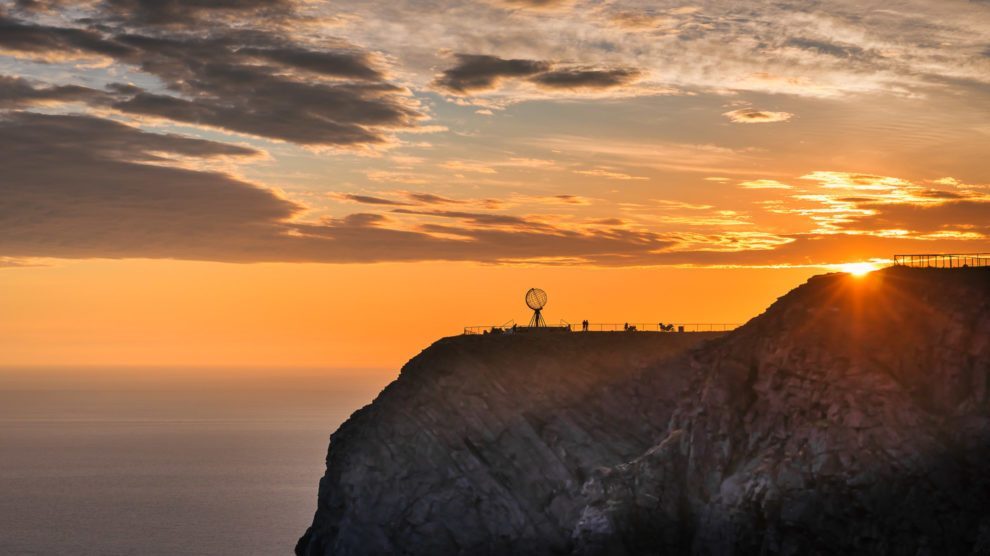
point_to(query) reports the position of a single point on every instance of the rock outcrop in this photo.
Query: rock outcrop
(851, 417)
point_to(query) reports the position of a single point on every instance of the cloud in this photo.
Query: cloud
(258, 83)
(764, 184)
(545, 5)
(639, 20)
(78, 186)
(7, 262)
(165, 12)
(431, 199)
(468, 166)
(858, 182)
(16, 92)
(577, 78)
(826, 47)
(754, 116)
(963, 216)
(369, 200)
(478, 72)
(886, 206)
(481, 218)
(609, 174)
(570, 199)
(415, 198)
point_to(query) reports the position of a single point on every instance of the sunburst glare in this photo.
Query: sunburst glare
(858, 269)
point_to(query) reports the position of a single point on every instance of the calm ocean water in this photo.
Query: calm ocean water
(176, 466)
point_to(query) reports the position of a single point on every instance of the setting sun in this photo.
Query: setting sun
(858, 269)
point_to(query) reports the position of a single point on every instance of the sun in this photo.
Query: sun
(857, 269)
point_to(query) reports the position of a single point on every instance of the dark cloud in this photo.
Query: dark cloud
(577, 78)
(240, 80)
(475, 72)
(43, 40)
(480, 218)
(431, 199)
(72, 135)
(939, 194)
(358, 220)
(415, 198)
(610, 222)
(368, 200)
(16, 93)
(78, 186)
(964, 215)
(829, 48)
(353, 64)
(165, 12)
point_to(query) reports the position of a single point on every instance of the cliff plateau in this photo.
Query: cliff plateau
(851, 417)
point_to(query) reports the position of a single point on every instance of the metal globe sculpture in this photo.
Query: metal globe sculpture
(536, 299)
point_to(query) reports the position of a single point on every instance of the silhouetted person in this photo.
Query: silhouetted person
(625, 326)
(584, 325)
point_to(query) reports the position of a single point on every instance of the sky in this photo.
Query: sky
(309, 183)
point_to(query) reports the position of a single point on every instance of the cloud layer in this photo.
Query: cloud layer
(561, 132)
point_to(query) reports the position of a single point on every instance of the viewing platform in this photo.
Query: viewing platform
(943, 260)
(604, 327)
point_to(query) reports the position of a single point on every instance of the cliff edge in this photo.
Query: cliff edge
(852, 416)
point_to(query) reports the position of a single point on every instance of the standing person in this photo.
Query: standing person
(584, 325)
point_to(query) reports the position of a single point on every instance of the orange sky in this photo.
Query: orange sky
(346, 316)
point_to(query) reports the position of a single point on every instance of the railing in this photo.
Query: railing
(614, 327)
(656, 327)
(943, 260)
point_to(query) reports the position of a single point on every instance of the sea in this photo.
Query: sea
(169, 462)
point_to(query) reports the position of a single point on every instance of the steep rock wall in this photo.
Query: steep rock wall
(852, 416)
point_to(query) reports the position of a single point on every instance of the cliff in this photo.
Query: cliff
(852, 416)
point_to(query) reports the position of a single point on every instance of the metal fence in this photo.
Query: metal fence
(943, 260)
(616, 327)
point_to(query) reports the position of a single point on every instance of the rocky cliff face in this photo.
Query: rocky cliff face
(852, 416)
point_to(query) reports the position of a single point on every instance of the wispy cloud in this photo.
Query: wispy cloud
(764, 184)
(609, 174)
(754, 116)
